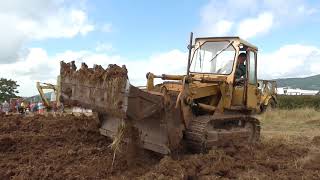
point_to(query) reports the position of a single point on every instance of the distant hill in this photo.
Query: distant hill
(37, 98)
(309, 83)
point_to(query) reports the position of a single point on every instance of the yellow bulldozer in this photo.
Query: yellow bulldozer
(268, 97)
(211, 105)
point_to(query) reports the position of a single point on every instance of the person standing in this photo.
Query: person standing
(31, 107)
(35, 107)
(17, 105)
(5, 107)
(40, 107)
(23, 107)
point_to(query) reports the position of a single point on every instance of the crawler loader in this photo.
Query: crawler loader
(268, 97)
(208, 106)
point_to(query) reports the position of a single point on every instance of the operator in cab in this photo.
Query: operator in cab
(241, 67)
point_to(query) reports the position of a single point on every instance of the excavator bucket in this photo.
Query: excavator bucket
(108, 92)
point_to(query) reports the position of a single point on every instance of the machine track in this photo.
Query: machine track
(205, 132)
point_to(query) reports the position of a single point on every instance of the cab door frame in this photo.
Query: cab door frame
(251, 87)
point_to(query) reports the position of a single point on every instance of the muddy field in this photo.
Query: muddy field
(71, 148)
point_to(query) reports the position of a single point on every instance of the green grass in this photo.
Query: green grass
(294, 102)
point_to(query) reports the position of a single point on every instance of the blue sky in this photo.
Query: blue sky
(165, 25)
(154, 25)
(37, 34)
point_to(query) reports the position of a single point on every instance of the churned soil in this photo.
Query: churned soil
(70, 147)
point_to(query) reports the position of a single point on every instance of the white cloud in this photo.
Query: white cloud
(23, 21)
(287, 10)
(38, 66)
(215, 14)
(171, 62)
(220, 28)
(34, 67)
(219, 17)
(290, 61)
(252, 26)
(64, 24)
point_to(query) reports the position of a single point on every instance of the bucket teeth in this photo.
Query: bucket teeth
(96, 88)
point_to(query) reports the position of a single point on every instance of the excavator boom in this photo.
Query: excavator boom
(41, 87)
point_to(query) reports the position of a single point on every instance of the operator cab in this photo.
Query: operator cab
(219, 58)
(215, 56)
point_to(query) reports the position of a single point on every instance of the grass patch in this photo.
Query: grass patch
(294, 102)
(302, 121)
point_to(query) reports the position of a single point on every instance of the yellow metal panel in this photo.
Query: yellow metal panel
(173, 87)
(237, 97)
(228, 95)
(198, 92)
(252, 96)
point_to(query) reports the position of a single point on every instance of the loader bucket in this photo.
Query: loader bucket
(108, 92)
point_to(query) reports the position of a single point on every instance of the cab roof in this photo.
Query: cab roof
(229, 38)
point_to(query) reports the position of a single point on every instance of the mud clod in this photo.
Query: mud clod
(316, 140)
(311, 161)
(7, 144)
